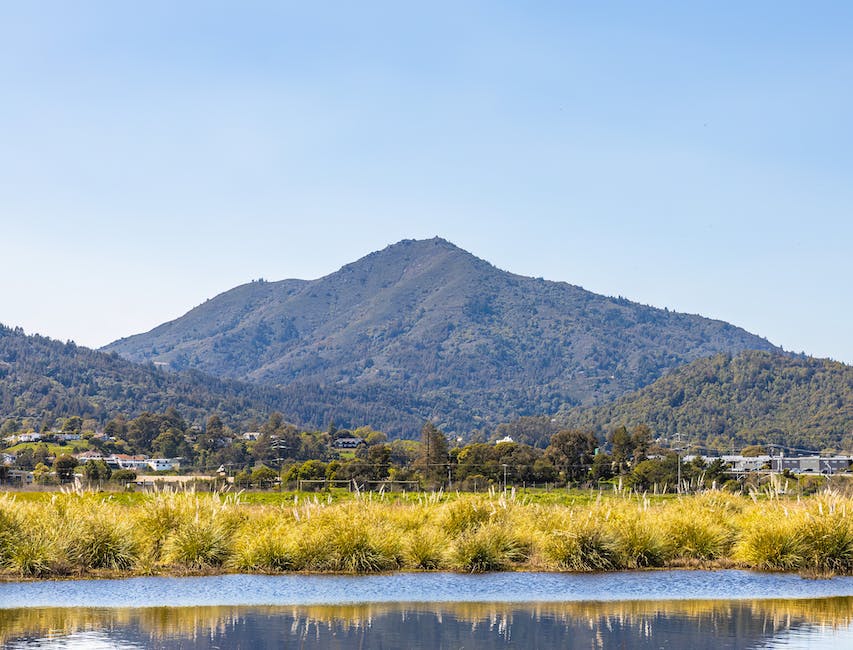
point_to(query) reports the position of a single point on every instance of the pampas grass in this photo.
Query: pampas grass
(584, 543)
(491, 547)
(183, 532)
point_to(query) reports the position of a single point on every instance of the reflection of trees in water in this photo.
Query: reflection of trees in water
(636, 624)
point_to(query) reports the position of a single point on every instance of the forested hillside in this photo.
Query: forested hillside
(751, 398)
(46, 379)
(425, 327)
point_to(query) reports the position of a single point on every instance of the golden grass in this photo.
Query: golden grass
(84, 533)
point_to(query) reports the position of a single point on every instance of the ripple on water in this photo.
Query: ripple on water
(418, 587)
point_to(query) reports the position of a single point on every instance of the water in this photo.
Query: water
(667, 609)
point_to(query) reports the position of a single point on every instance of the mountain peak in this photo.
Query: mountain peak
(422, 248)
(440, 328)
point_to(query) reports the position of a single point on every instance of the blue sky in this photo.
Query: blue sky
(695, 156)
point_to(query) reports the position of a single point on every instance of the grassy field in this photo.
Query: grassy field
(97, 534)
(53, 448)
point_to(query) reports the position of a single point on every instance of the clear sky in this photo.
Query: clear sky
(696, 156)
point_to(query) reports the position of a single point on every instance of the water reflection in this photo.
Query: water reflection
(636, 624)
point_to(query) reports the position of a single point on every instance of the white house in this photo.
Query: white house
(164, 464)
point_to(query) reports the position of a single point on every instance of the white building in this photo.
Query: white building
(164, 464)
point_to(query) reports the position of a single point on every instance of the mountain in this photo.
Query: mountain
(45, 379)
(750, 398)
(440, 333)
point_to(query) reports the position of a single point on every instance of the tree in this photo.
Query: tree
(571, 451)
(116, 428)
(432, 458)
(41, 474)
(74, 424)
(602, 467)
(641, 438)
(622, 448)
(311, 470)
(243, 479)
(170, 443)
(122, 476)
(264, 477)
(658, 471)
(97, 470)
(64, 467)
(41, 454)
(25, 459)
(143, 430)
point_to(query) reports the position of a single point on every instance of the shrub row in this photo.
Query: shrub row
(174, 533)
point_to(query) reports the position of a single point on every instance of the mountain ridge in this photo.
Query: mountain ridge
(472, 344)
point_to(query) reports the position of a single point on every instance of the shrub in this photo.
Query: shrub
(426, 549)
(696, 535)
(466, 514)
(265, 548)
(638, 543)
(488, 548)
(102, 542)
(198, 544)
(584, 546)
(827, 542)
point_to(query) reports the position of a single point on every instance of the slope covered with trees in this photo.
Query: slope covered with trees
(731, 401)
(43, 379)
(441, 332)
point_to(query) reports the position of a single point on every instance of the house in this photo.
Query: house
(348, 443)
(251, 435)
(164, 464)
(504, 439)
(86, 456)
(20, 477)
(29, 437)
(125, 461)
(9, 459)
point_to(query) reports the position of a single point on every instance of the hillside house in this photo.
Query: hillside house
(86, 456)
(348, 443)
(126, 461)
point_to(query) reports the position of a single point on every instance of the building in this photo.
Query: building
(348, 443)
(125, 461)
(20, 477)
(86, 456)
(794, 464)
(812, 464)
(164, 464)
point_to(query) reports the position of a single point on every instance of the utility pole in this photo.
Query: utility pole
(504, 465)
(678, 456)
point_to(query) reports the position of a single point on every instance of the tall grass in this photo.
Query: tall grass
(168, 532)
(584, 542)
(771, 541)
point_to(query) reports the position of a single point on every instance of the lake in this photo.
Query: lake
(663, 609)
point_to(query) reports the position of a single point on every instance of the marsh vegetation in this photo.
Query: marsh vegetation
(177, 533)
